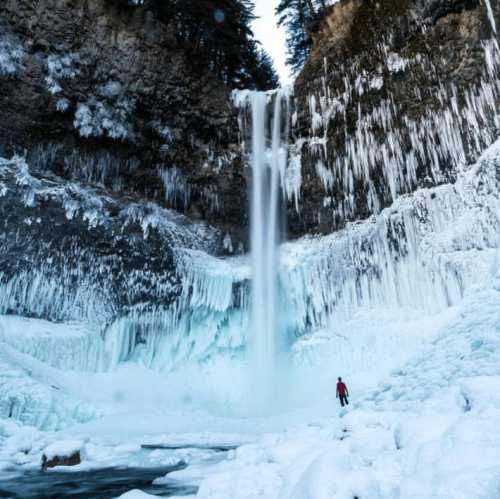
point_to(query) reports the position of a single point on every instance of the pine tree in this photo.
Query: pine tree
(218, 32)
(297, 16)
(261, 72)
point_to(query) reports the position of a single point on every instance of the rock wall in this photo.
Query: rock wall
(397, 95)
(104, 95)
(72, 253)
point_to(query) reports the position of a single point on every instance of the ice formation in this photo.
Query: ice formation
(95, 118)
(435, 145)
(11, 54)
(422, 254)
(61, 68)
(100, 168)
(176, 187)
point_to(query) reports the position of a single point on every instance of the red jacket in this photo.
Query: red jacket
(341, 388)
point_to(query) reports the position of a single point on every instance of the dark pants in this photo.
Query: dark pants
(343, 400)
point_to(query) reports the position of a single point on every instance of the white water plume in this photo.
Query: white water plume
(269, 114)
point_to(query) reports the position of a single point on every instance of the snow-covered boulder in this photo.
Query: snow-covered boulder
(135, 494)
(63, 453)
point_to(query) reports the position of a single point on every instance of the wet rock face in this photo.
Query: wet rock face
(105, 95)
(397, 95)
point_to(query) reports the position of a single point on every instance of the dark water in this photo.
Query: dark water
(95, 484)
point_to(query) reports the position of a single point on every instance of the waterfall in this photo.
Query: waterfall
(269, 119)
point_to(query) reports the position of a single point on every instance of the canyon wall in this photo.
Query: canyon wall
(102, 93)
(396, 95)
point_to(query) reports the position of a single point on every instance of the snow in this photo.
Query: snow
(11, 55)
(429, 431)
(95, 118)
(64, 448)
(60, 68)
(426, 430)
(135, 494)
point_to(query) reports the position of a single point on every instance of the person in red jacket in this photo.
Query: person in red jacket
(342, 393)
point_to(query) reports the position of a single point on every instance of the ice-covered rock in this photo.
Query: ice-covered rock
(118, 102)
(63, 453)
(135, 494)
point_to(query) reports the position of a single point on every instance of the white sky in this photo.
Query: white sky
(272, 38)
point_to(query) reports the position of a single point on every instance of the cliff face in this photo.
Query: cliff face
(105, 95)
(396, 95)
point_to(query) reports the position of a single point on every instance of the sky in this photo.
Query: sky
(272, 38)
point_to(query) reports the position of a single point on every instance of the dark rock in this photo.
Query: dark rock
(71, 460)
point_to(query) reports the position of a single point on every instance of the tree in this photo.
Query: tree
(298, 16)
(218, 34)
(261, 72)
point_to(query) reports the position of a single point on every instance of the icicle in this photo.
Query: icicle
(491, 16)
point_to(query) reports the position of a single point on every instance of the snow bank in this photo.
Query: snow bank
(34, 394)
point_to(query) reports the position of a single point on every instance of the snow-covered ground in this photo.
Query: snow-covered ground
(429, 431)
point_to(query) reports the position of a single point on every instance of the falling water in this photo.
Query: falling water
(269, 118)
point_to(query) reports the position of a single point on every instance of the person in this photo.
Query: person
(342, 392)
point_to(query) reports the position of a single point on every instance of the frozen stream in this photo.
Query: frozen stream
(111, 481)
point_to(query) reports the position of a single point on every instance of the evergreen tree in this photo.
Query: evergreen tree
(266, 77)
(298, 17)
(218, 33)
(262, 75)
